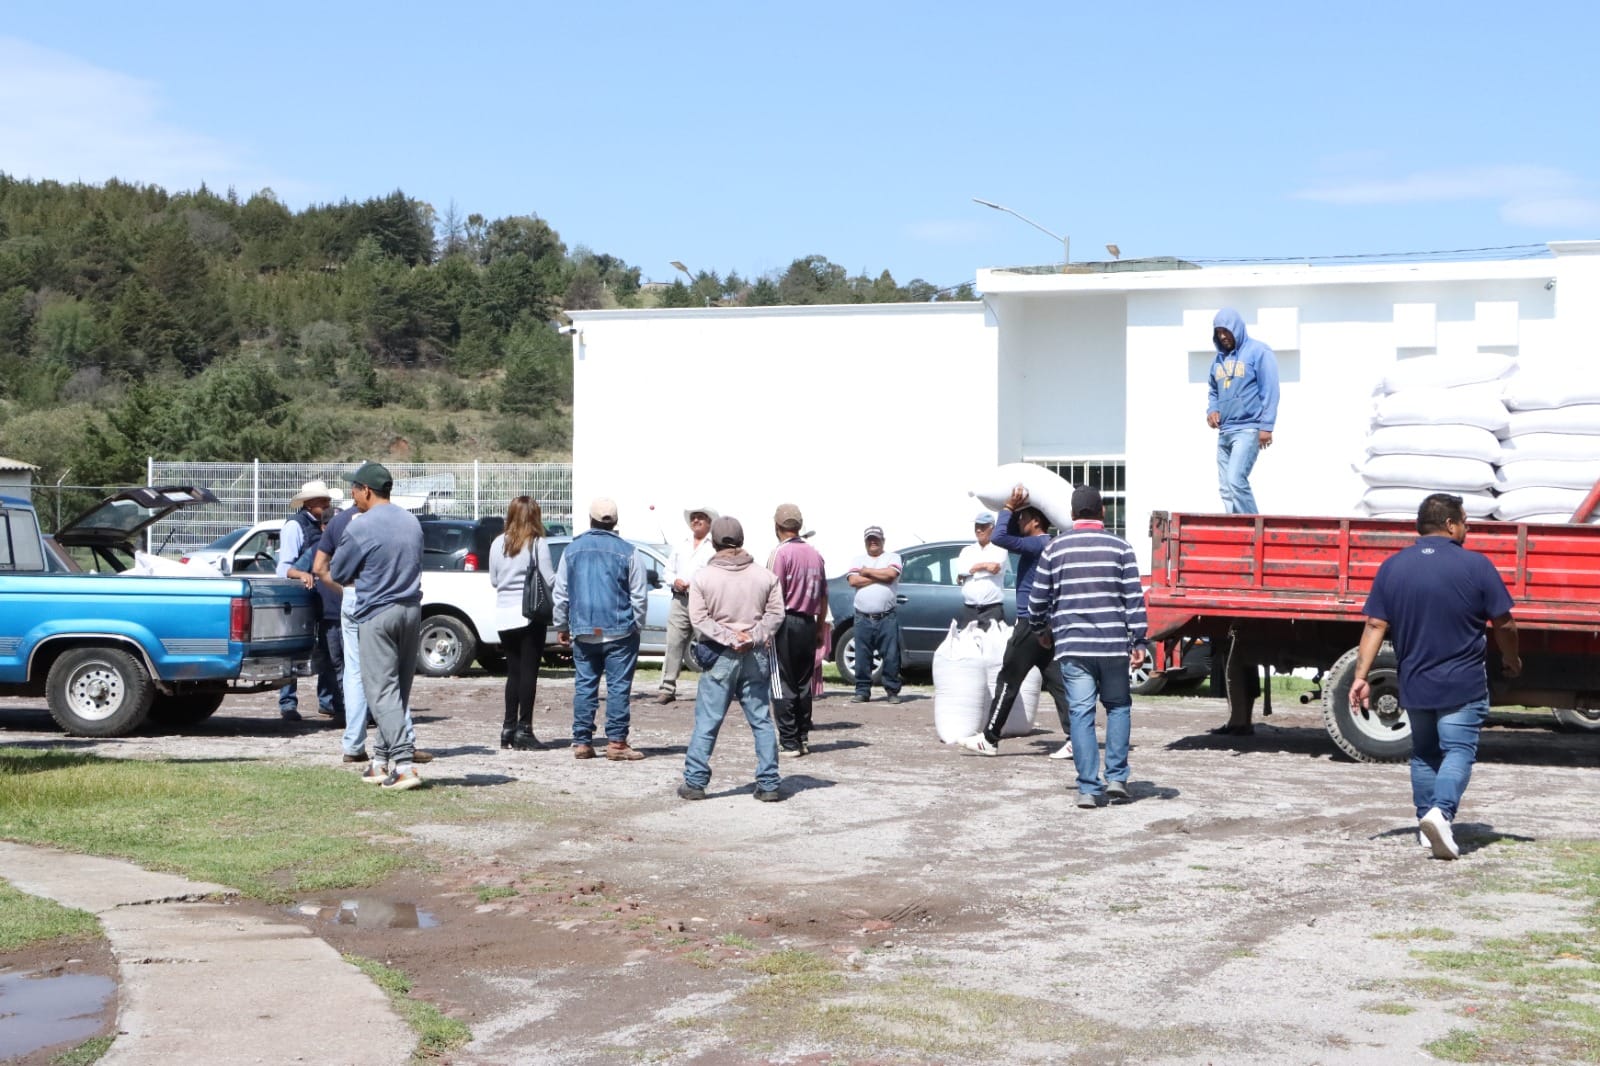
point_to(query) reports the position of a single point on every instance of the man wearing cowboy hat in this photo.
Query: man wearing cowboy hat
(687, 558)
(311, 506)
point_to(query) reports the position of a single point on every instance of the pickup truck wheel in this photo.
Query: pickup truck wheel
(1577, 720)
(187, 709)
(844, 657)
(1145, 679)
(98, 692)
(445, 646)
(1383, 732)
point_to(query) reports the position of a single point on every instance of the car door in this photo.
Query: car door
(928, 600)
(257, 553)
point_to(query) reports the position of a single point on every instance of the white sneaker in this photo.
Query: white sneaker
(1063, 752)
(978, 743)
(1436, 828)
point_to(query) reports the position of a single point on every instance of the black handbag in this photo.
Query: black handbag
(705, 653)
(538, 606)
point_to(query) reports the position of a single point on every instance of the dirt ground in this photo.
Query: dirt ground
(911, 903)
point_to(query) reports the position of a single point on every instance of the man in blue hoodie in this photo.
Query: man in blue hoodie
(1243, 407)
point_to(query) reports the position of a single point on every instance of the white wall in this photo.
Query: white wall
(1064, 376)
(879, 414)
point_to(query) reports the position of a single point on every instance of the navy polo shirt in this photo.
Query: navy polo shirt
(1437, 598)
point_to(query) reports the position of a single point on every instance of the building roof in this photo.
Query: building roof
(15, 464)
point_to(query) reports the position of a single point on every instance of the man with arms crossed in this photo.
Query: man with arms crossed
(1435, 598)
(876, 578)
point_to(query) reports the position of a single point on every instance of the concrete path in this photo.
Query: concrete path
(202, 983)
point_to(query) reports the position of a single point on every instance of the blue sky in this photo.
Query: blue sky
(743, 135)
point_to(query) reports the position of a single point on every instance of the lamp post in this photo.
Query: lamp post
(1066, 242)
(678, 263)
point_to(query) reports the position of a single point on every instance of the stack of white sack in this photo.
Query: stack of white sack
(1550, 451)
(147, 565)
(1046, 490)
(1436, 428)
(964, 669)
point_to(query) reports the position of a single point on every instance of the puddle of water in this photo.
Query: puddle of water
(368, 912)
(39, 1012)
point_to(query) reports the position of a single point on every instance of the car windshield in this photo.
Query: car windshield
(227, 540)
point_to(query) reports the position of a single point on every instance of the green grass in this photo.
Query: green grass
(89, 1051)
(1388, 1007)
(436, 1032)
(271, 831)
(736, 940)
(485, 893)
(26, 919)
(1431, 933)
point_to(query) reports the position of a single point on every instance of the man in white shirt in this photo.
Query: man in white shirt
(687, 558)
(876, 578)
(980, 570)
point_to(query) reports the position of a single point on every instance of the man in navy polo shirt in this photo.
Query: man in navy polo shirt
(1436, 597)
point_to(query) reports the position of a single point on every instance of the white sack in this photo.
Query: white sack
(1020, 721)
(960, 685)
(1046, 491)
(1556, 518)
(1434, 473)
(1547, 473)
(1536, 390)
(1518, 504)
(147, 565)
(1446, 371)
(1550, 446)
(1475, 405)
(1464, 442)
(1403, 501)
(1579, 418)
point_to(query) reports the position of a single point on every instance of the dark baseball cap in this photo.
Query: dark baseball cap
(1086, 502)
(726, 532)
(373, 476)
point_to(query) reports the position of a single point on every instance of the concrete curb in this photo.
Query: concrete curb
(201, 982)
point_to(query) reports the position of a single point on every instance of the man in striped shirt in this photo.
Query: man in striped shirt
(1088, 602)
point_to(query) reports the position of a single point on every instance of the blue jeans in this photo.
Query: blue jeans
(1104, 679)
(616, 660)
(747, 678)
(881, 635)
(1444, 745)
(1236, 456)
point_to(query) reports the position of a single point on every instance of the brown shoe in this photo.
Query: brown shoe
(620, 752)
(421, 756)
(582, 751)
(666, 697)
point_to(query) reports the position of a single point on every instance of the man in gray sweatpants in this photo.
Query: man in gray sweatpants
(383, 549)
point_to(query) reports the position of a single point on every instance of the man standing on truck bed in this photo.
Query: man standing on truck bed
(381, 552)
(1242, 407)
(1436, 597)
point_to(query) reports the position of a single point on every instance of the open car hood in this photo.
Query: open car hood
(117, 520)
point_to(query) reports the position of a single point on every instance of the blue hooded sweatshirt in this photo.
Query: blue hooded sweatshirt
(1244, 382)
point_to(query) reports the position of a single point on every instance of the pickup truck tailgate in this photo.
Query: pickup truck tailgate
(280, 617)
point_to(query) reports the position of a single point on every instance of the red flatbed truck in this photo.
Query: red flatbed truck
(1286, 592)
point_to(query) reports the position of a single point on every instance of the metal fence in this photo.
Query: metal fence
(252, 492)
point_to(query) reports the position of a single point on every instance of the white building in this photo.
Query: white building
(889, 414)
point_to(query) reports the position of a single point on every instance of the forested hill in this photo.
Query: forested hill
(199, 326)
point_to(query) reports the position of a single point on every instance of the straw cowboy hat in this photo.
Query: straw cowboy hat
(315, 490)
(707, 511)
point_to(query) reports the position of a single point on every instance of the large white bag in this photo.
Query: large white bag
(1578, 418)
(1391, 500)
(1445, 371)
(1518, 504)
(1534, 390)
(1046, 491)
(1432, 472)
(1020, 721)
(1547, 473)
(1550, 446)
(960, 685)
(1472, 405)
(1464, 442)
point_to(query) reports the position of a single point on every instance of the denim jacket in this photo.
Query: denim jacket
(599, 586)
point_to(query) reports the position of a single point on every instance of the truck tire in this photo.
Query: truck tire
(1383, 732)
(445, 646)
(98, 692)
(186, 709)
(1577, 720)
(1145, 679)
(844, 657)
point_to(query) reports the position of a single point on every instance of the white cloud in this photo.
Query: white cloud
(1533, 196)
(947, 231)
(65, 119)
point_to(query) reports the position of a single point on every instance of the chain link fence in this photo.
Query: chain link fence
(252, 492)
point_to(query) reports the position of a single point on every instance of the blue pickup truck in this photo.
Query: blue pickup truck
(109, 650)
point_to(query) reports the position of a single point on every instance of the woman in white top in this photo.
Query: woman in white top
(514, 552)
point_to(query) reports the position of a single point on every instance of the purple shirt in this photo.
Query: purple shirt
(798, 568)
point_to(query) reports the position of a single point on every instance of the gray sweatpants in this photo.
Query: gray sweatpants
(388, 642)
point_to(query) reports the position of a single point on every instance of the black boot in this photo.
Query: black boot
(507, 737)
(524, 740)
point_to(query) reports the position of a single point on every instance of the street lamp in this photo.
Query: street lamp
(1066, 242)
(680, 266)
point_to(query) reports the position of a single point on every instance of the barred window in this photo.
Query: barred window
(1107, 475)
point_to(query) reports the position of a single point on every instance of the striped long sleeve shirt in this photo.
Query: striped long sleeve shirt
(1087, 590)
